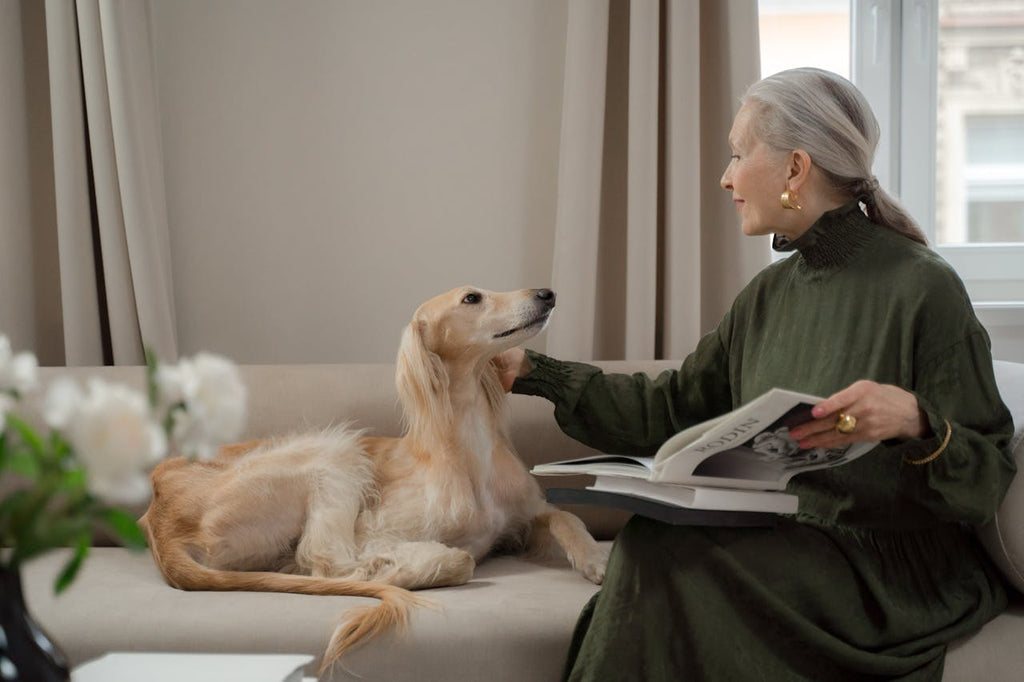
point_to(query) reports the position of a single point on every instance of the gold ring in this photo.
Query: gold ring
(846, 423)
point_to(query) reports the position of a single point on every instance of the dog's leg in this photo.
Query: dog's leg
(339, 480)
(418, 565)
(328, 547)
(556, 527)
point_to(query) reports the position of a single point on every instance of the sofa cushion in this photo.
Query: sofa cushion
(1003, 536)
(511, 622)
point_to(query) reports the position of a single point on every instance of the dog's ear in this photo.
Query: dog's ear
(491, 383)
(422, 381)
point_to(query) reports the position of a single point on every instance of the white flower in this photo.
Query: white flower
(112, 435)
(213, 396)
(62, 402)
(18, 372)
(18, 375)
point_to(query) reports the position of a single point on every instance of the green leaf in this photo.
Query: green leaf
(25, 464)
(72, 482)
(172, 417)
(26, 433)
(46, 531)
(61, 449)
(10, 508)
(152, 362)
(71, 567)
(123, 526)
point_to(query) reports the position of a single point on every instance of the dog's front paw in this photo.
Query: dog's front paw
(593, 566)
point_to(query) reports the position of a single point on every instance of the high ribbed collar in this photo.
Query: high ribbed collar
(833, 239)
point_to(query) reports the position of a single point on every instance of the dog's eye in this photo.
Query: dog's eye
(472, 299)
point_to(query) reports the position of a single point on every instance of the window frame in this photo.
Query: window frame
(894, 61)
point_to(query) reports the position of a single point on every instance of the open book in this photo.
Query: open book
(740, 461)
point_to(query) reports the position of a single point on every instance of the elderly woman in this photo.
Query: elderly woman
(877, 572)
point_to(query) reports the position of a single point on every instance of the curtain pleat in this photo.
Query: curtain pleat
(138, 154)
(578, 214)
(80, 295)
(648, 253)
(117, 293)
(642, 181)
(681, 256)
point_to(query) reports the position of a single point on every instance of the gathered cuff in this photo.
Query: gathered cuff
(547, 377)
(918, 449)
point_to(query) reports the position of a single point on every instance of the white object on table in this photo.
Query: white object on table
(176, 667)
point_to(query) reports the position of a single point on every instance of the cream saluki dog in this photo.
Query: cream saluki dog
(339, 513)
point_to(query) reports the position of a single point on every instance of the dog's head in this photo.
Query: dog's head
(461, 330)
(473, 324)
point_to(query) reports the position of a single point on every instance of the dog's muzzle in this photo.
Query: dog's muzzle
(545, 302)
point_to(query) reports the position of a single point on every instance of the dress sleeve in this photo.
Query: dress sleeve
(632, 414)
(967, 481)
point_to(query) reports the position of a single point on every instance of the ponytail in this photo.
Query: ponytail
(883, 210)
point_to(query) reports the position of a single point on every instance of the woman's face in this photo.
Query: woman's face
(756, 176)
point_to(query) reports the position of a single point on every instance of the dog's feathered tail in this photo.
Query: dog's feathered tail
(363, 623)
(357, 626)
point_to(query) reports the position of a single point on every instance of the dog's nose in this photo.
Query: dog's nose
(545, 295)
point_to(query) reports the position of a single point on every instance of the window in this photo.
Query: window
(946, 80)
(804, 33)
(992, 176)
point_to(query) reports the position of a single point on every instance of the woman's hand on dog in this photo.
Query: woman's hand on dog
(511, 365)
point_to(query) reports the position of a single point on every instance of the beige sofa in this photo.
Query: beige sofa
(513, 621)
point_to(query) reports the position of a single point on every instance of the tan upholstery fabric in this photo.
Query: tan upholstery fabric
(512, 622)
(1003, 537)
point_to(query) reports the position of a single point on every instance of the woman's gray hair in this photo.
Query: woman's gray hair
(826, 116)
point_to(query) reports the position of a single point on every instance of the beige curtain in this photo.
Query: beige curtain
(648, 251)
(113, 243)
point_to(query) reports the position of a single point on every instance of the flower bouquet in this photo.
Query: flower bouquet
(67, 471)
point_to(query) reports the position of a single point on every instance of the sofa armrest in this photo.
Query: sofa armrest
(1003, 536)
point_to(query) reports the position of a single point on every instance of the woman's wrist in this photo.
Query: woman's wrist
(919, 427)
(525, 367)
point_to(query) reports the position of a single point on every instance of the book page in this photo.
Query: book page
(749, 447)
(612, 465)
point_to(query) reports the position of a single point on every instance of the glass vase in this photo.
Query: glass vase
(27, 654)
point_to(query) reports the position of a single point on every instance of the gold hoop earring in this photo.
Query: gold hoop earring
(789, 200)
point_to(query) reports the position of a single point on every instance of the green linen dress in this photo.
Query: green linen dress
(878, 570)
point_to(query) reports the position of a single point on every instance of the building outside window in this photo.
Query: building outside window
(980, 125)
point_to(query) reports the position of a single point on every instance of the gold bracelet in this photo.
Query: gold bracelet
(945, 442)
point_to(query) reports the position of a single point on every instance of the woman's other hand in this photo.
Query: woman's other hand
(511, 364)
(881, 411)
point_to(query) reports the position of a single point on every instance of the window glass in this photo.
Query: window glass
(979, 164)
(804, 33)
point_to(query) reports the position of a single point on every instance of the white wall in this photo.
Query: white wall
(331, 164)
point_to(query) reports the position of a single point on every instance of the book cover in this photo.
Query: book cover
(662, 511)
(697, 497)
